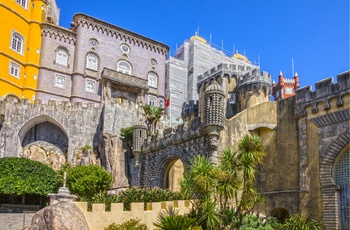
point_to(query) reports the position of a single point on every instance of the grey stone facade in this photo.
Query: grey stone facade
(192, 59)
(109, 46)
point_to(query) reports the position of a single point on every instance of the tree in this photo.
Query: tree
(86, 181)
(127, 134)
(21, 176)
(152, 115)
(218, 188)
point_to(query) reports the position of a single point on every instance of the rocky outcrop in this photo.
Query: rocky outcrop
(44, 152)
(60, 216)
(112, 155)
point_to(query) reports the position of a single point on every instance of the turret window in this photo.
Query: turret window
(17, 42)
(14, 69)
(22, 3)
(62, 57)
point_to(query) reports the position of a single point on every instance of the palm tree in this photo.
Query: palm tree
(152, 115)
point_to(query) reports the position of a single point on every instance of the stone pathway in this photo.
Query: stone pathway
(14, 221)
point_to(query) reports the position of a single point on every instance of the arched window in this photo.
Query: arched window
(17, 42)
(152, 79)
(60, 81)
(14, 69)
(90, 86)
(342, 177)
(152, 101)
(62, 57)
(124, 67)
(91, 61)
(22, 3)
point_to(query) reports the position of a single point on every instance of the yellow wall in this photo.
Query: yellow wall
(26, 22)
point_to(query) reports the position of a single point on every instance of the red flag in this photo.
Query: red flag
(167, 102)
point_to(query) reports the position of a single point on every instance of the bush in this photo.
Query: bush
(127, 134)
(86, 181)
(133, 195)
(171, 220)
(298, 222)
(128, 225)
(21, 176)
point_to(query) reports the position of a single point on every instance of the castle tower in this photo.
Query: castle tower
(285, 87)
(139, 137)
(254, 89)
(214, 114)
(20, 44)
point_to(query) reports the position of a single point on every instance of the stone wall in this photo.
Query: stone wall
(78, 124)
(323, 124)
(98, 218)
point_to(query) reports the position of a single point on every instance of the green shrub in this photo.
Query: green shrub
(171, 220)
(131, 224)
(86, 181)
(127, 134)
(298, 222)
(21, 176)
(133, 195)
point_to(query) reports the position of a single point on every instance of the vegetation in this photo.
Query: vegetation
(171, 220)
(217, 188)
(131, 224)
(298, 222)
(21, 176)
(127, 134)
(86, 181)
(152, 115)
(136, 195)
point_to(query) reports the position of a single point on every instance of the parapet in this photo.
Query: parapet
(254, 79)
(146, 213)
(325, 90)
(65, 106)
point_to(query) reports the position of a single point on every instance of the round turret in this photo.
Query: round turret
(139, 136)
(214, 105)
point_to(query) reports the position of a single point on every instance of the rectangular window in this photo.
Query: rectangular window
(17, 42)
(23, 3)
(14, 70)
(62, 57)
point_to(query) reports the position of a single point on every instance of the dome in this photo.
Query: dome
(196, 37)
(214, 87)
(241, 57)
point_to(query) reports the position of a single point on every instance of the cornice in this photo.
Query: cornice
(114, 31)
(58, 32)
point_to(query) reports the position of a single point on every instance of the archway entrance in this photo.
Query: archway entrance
(174, 175)
(342, 177)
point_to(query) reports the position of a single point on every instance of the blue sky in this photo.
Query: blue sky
(315, 34)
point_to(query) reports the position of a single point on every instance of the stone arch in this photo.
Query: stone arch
(163, 162)
(280, 213)
(32, 123)
(329, 187)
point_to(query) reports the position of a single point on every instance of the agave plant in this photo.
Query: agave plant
(171, 220)
(298, 222)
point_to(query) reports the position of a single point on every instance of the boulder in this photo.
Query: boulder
(61, 216)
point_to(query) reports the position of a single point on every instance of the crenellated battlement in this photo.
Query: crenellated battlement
(63, 106)
(225, 67)
(254, 79)
(325, 90)
(146, 213)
